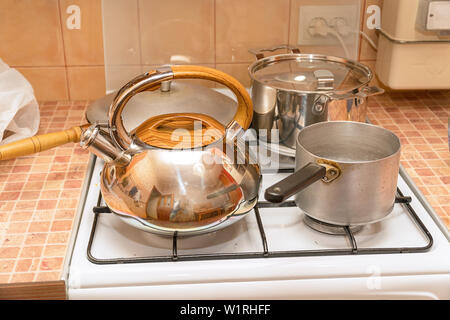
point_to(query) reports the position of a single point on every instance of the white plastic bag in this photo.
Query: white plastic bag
(19, 110)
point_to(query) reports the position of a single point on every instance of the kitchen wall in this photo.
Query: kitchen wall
(63, 56)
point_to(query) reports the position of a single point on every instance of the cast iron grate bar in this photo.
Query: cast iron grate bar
(351, 238)
(402, 199)
(261, 231)
(265, 253)
(266, 204)
(174, 247)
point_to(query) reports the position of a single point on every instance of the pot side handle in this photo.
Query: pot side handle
(295, 183)
(363, 93)
(259, 53)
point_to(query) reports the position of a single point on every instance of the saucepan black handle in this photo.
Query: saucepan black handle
(294, 183)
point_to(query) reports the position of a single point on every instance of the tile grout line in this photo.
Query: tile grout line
(361, 28)
(139, 32)
(64, 49)
(59, 66)
(289, 23)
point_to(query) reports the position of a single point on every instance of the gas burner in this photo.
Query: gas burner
(329, 228)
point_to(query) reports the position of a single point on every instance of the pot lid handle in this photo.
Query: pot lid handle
(153, 79)
(325, 79)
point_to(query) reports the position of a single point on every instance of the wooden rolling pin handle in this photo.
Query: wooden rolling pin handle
(40, 143)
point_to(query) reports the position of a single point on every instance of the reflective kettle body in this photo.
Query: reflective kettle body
(164, 188)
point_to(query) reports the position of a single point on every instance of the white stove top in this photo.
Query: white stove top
(322, 266)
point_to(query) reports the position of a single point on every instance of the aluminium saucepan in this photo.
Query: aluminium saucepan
(346, 173)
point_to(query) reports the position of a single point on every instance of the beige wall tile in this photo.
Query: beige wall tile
(49, 83)
(86, 83)
(121, 32)
(237, 70)
(243, 25)
(83, 46)
(177, 31)
(118, 76)
(30, 33)
(363, 5)
(367, 52)
(215, 33)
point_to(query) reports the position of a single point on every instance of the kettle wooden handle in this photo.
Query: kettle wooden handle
(162, 131)
(40, 143)
(244, 111)
(121, 136)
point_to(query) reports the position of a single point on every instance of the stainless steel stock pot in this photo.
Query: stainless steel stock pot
(291, 91)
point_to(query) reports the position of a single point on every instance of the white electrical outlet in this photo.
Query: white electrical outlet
(349, 13)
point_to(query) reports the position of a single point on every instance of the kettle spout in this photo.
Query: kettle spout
(100, 143)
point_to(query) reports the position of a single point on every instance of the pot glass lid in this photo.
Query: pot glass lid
(310, 73)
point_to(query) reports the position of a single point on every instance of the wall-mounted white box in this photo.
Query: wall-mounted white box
(438, 15)
(409, 58)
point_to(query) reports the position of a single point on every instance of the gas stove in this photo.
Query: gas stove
(274, 252)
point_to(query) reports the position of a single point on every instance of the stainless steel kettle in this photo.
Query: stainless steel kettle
(156, 175)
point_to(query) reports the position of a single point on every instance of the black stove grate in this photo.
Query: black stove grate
(265, 253)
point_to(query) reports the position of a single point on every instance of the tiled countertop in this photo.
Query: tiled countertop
(421, 122)
(39, 194)
(38, 200)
